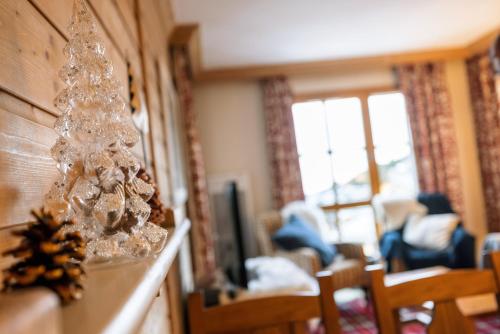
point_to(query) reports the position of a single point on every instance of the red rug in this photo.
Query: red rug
(358, 318)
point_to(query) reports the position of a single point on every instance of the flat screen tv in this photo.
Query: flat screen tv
(239, 271)
(230, 239)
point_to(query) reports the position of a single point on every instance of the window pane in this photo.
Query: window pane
(310, 128)
(393, 150)
(388, 119)
(350, 170)
(317, 178)
(396, 170)
(345, 124)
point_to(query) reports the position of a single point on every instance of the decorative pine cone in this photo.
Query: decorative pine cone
(158, 210)
(47, 256)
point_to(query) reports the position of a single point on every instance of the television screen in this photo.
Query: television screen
(230, 241)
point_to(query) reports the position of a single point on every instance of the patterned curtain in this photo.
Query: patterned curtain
(203, 247)
(282, 148)
(487, 120)
(431, 122)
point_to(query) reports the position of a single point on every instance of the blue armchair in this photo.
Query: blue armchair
(459, 254)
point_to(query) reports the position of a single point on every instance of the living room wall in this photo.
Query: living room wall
(231, 123)
(232, 134)
(475, 215)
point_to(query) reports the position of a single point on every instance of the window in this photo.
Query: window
(350, 148)
(392, 142)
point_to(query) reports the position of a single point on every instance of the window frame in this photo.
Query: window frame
(362, 94)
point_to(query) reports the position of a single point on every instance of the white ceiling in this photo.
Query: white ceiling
(252, 32)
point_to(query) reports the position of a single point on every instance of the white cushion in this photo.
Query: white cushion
(310, 214)
(431, 231)
(392, 212)
(277, 274)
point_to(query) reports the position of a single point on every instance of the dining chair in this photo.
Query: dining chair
(390, 293)
(283, 314)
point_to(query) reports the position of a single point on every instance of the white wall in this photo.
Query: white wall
(232, 133)
(475, 215)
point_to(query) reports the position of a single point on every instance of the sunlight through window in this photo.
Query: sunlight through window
(351, 148)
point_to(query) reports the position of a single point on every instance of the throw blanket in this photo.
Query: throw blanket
(277, 274)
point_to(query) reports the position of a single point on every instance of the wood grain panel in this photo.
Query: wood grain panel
(166, 116)
(127, 11)
(18, 198)
(116, 29)
(154, 53)
(111, 19)
(30, 54)
(33, 35)
(167, 16)
(25, 110)
(26, 168)
(153, 38)
(154, 47)
(157, 135)
(59, 13)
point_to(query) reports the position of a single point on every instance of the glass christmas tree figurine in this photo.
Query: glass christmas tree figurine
(98, 187)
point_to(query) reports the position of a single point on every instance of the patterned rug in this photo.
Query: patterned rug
(357, 317)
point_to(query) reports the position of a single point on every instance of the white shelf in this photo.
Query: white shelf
(117, 298)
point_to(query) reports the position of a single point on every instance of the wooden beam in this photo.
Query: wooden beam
(187, 35)
(329, 66)
(355, 92)
(483, 43)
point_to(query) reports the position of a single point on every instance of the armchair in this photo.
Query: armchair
(347, 272)
(459, 253)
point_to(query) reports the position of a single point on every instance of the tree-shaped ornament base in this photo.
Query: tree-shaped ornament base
(98, 187)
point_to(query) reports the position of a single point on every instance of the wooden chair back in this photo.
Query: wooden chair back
(443, 288)
(283, 314)
(331, 314)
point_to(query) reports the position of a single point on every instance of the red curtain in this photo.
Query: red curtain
(487, 120)
(199, 209)
(282, 148)
(431, 122)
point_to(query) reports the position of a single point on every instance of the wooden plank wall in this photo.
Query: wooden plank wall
(32, 36)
